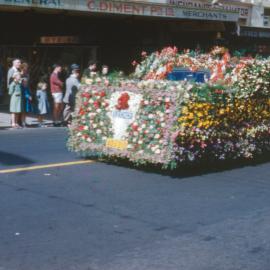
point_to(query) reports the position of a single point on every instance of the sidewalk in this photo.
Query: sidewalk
(5, 119)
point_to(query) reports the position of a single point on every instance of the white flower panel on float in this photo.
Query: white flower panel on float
(123, 107)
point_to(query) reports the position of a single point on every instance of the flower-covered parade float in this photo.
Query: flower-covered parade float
(176, 107)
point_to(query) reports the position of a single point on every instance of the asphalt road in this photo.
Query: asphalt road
(106, 217)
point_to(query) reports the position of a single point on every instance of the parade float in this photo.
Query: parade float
(176, 107)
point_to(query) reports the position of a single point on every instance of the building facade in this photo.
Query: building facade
(115, 32)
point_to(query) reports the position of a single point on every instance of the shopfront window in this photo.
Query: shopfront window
(266, 21)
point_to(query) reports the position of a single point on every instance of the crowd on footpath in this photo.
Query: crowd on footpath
(25, 101)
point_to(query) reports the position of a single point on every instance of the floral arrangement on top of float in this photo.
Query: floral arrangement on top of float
(228, 116)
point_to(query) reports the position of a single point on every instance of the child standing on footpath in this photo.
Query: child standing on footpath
(43, 103)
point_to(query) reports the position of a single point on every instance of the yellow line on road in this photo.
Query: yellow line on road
(52, 165)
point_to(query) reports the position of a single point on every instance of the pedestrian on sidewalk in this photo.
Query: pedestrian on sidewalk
(16, 65)
(56, 86)
(72, 86)
(27, 101)
(43, 102)
(91, 70)
(16, 100)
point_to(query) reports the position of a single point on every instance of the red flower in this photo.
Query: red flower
(86, 95)
(81, 112)
(167, 105)
(134, 63)
(96, 104)
(81, 128)
(219, 91)
(134, 127)
(102, 93)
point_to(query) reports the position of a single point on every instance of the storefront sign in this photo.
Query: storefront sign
(129, 8)
(254, 33)
(38, 3)
(243, 10)
(159, 10)
(59, 40)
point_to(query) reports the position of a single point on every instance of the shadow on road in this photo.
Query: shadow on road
(196, 169)
(9, 159)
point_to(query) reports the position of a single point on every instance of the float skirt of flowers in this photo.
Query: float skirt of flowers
(186, 124)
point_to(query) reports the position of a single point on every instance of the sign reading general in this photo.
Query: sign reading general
(128, 8)
(42, 3)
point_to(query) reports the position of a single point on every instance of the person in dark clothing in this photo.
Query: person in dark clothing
(72, 86)
(91, 70)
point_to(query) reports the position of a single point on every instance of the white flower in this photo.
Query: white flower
(143, 125)
(146, 102)
(150, 116)
(85, 128)
(89, 139)
(157, 136)
(140, 142)
(98, 131)
(98, 110)
(157, 151)
(88, 81)
(167, 99)
(94, 125)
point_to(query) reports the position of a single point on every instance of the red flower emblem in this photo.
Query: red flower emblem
(122, 103)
